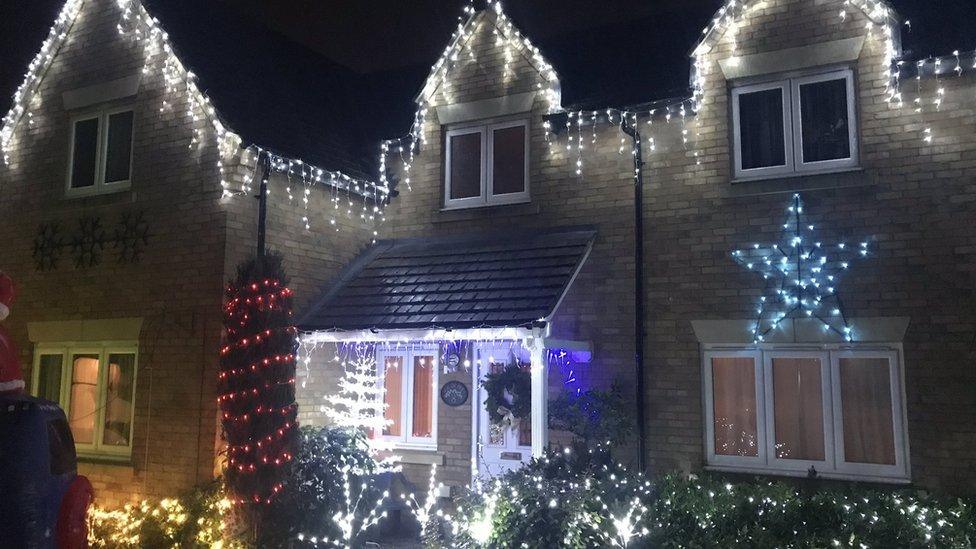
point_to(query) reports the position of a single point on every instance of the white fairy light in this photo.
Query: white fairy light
(798, 271)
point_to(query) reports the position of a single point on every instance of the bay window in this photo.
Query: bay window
(794, 126)
(487, 164)
(95, 385)
(838, 412)
(408, 382)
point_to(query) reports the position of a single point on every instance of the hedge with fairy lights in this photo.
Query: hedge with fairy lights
(257, 380)
(582, 500)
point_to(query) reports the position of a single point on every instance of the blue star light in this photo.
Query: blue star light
(802, 275)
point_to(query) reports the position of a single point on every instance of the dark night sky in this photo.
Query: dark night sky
(607, 52)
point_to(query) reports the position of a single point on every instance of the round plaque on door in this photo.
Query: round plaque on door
(454, 393)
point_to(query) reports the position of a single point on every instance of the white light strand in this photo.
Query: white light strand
(802, 277)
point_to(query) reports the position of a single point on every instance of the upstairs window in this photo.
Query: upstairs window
(487, 164)
(95, 385)
(787, 411)
(795, 126)
(101, 152)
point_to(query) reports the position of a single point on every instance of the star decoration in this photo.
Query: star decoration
(802, 276)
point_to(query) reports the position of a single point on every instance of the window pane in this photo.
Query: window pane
(798, 408)
(823, 107)
(423, 396)
(496, 432)
(119, 153)
(84, 151)
(84, 398)
(734, 395)
(393, 395)
(465, 166)
(119, 394)
(49, 377)
(865, 388)
(761, 134)
(508, 160)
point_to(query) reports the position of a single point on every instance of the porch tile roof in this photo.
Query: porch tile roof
(497, 279)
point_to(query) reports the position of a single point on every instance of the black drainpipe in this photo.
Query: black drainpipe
(264, 159)
(635, 135)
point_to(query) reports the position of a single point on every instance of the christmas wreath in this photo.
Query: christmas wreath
(509, 395)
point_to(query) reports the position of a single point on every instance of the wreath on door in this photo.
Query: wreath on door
(509, 395)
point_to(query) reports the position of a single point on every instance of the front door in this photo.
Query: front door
(499, 448)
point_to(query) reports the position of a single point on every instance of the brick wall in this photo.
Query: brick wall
(175, 287)
(196, 240)
(912, 201)
(599, 307)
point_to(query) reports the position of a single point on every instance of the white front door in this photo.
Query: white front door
(498, 448)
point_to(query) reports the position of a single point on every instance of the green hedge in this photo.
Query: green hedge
(566, 501)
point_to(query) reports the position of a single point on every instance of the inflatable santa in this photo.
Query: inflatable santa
(11, 379)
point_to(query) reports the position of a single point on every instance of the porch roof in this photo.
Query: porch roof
(497, 279)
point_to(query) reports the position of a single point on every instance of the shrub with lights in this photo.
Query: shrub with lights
(257, 381)
(196, 520)
(578, 501)
(314, 493)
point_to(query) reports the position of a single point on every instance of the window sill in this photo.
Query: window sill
(73, 194)
(116, 461)
(416, 456)
(776, 184)
(803, 474)
(451, 214)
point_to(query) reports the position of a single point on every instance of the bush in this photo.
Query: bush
(562, 500)
(594, 417)
(313, 490)
(585, 501)
(195, 520)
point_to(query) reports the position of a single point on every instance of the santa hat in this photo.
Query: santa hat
(6, 295)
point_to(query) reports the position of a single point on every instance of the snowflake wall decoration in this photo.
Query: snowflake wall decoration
(802, 276)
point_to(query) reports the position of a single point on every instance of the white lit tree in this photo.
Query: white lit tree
(360, 402)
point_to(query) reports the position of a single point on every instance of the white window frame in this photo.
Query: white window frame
(101, 153)
(827, 410)
(834, 466)
(793, 127)
(825, 165)
(898, 416)
(770, 171)
(735, 461)
(486, 195)
(406, 440)
(103, 349)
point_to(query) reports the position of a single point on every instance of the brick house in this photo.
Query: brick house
(510, 241)
(120, 236)
(860, 373)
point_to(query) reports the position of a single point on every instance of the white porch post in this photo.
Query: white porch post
(540, 395)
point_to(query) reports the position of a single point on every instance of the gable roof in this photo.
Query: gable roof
(485, 280)
(335, 118)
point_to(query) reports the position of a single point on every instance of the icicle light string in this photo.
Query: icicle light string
(159, 55)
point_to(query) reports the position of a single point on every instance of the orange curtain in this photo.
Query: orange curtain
(393, 395)
(865, 389)
(423, 396)
(798, 408)
(734, 406)
(84, 398)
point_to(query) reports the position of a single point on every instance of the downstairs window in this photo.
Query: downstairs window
(408, 379)
(95, 385)
(837, 412)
